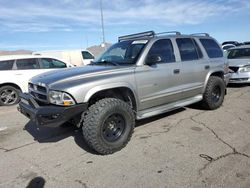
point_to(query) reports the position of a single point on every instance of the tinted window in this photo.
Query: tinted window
(49, 63)
(164, 49)
(87, 55)
(212, 48)
(243, 53)
(27, 64)
(187, 49)
(6, 65)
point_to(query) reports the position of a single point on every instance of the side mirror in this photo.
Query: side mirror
(153, 59)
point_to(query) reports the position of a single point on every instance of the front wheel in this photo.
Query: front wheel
(9, 95)
(108, 125)
(214, 94)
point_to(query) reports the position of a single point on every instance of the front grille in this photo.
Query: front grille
(234, 69)
(38, 92)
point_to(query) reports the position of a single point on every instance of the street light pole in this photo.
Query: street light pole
(103, 34)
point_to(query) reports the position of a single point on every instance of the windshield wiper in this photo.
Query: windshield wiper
(105, 62)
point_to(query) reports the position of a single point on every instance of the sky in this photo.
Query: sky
(70, 24)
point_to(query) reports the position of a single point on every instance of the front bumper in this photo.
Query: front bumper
(50, 116)
(240, 77)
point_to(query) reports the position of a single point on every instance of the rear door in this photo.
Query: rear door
(194, 67)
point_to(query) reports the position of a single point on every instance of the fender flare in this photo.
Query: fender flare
(98, 88)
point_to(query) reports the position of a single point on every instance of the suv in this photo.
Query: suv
(16, 70)
(142, 75)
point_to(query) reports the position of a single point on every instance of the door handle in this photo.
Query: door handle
(207, 67)
(176, 71)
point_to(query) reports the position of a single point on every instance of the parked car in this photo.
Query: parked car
(239, 64)
(227, 46)
(16, 70)
(235, 43)
(142, 75)
(75, 57)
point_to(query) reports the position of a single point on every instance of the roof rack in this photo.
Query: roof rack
(145, 34)
(199, 34)
(176, 32)
(137, 35)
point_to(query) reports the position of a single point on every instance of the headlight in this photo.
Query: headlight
(244, 69)
(60, 98)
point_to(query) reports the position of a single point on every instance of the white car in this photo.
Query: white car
(16, 70)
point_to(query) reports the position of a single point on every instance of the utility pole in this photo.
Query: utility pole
(103, 34)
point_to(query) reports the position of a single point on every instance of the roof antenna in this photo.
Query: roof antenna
(103, 34)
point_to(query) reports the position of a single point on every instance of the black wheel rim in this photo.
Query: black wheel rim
(8, 96)
(113, 127)
(216, 94)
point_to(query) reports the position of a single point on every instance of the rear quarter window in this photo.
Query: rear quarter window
(212, 48)
(6, 65)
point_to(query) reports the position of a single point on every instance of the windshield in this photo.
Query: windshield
(243, 53)
(126, 52)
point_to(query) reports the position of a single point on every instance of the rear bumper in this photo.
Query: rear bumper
(50, 116)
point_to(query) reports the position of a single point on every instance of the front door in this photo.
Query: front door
(158, 79)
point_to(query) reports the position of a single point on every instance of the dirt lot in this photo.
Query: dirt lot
(185, 148)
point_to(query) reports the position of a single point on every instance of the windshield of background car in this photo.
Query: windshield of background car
(243, 53)
(125, 52)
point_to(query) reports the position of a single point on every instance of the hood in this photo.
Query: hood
(238, 62)
(74, 73)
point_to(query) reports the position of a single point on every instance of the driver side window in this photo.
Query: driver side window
(162, 51)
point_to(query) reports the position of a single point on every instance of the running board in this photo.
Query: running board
(168, 107)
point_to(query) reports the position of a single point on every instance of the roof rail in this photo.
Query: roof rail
(136, 35)
(198, 34)
(176, 32)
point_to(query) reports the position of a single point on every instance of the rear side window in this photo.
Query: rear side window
(212, 48)
(187, 49)
(49, 63)
(87, 55)
(6, 65)
(164, 49)
(23, 64)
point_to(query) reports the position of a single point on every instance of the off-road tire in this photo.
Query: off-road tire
(96, 118)
(214, 93)
(8, 88)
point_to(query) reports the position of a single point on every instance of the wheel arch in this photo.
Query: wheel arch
(219, 73)
(122, 91)
(11, 84)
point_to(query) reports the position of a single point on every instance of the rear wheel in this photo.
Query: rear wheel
(214, 93)
(9, 95)
(108, 125)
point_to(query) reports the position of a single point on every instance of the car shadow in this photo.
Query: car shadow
(43, 134)
(237, 85)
